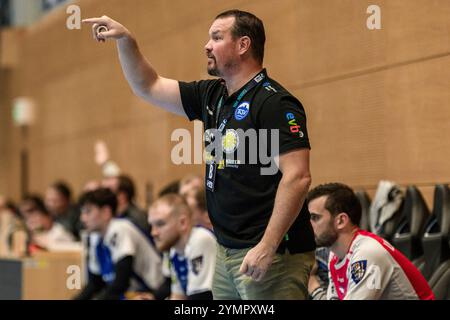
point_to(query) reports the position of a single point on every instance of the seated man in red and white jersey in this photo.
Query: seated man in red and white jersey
(361, 264)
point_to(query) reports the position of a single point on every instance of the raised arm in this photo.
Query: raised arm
(142, 77)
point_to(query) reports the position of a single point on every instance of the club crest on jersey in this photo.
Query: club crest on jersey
(197, 264)
(230, 141)
(242, 111)
(358, 270)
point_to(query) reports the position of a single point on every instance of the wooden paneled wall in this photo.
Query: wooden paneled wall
(378, 101)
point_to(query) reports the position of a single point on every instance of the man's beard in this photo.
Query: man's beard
(327, 239)
(228, 66)
(165, 246)
(213, 71)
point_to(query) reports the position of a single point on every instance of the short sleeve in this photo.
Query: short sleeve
(193, 97)
(202, 263)
(285, 113)
(120, 243)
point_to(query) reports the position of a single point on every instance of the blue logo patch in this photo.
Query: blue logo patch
(268, 86)
(358, 270)
(242, 111)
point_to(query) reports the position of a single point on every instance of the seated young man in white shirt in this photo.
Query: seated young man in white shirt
(362, 266)
(121, 257)
(190, 251)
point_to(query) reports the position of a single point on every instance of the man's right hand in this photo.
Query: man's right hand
(141, 76)
(115, 30)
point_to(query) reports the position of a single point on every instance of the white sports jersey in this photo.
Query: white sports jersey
(55, 238)
(373, 269)
(123, 239)
(192, 271)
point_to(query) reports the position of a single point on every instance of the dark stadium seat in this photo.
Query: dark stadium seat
(440, 281)
(435, 240)
(408, 237)
(390, 226)
(364, 199)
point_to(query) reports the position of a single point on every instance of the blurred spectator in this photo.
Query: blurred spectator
(190, 261)
(190, 183)
(2, 202)
(197, 203)
(58, 203)
(11, 207)
(120, 257)
(44, 232)
(173, 187)
(91, 185)
(110, 169)
(192, 189)
(13, 235)
(123, 187)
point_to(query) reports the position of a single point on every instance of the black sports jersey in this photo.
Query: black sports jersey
(243, 198)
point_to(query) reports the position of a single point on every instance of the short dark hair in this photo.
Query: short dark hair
(126, 185)
(11, 206)
(173, 187)
(247, 24)
(36, 202)
(102, 197)
(340, 198)
(63, 189)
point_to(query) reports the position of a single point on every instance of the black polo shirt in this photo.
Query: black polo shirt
(243, 199)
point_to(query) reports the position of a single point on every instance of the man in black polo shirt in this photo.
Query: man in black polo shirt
(266, 243)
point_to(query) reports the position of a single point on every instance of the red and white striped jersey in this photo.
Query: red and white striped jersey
(374, 269)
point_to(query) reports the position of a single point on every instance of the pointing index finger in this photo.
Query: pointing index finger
(94, 20)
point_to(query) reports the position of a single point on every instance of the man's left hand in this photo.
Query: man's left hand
(257, 261)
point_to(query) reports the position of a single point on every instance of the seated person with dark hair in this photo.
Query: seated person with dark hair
(121, 258)
(361, 265)
(58, 201)
(172, 187)
(123, 187)
(196, 200)
(13, 233)
(191, 256)
(44, 232)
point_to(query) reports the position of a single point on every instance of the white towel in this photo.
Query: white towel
(385, 204)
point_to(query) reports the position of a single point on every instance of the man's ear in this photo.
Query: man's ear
(341, 220)
(244, 44)
(184, 220)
